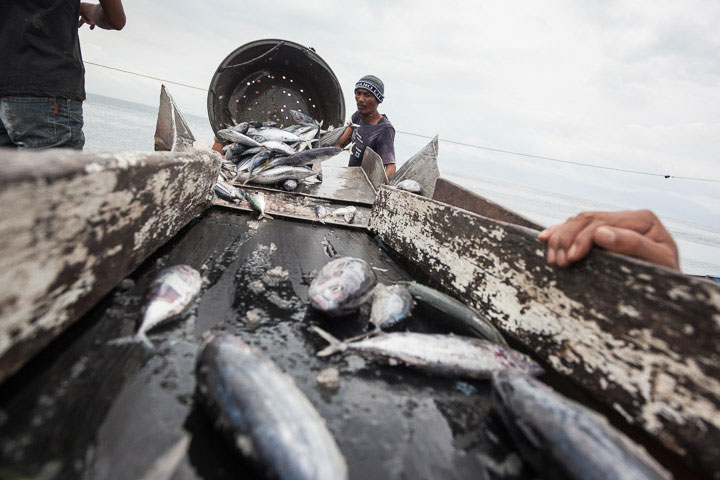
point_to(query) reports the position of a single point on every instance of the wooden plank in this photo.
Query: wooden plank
(457, 196)
(421, 167)
(374, 169)
(74, 224)
(299, 207)
(644, 340)
(344, 184)
(172, 132)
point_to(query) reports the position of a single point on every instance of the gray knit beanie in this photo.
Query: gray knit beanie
(372, 84)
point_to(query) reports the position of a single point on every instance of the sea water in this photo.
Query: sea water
(116, 125)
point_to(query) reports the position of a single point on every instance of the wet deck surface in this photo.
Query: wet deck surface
(87, 409)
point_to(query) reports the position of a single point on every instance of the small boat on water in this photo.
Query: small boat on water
(84, 234)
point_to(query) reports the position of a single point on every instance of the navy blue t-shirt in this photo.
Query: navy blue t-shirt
(380, 137)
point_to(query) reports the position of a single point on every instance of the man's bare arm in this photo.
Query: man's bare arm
(108, 15)
(390, 170)
(344, 138)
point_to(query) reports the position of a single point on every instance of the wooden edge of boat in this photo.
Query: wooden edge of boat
(75, 224)
(641, 338)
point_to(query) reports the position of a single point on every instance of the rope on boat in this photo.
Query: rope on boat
(145, 76)
(540, 157)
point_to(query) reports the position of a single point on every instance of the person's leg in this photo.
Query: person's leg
(70, 124)
(41, 122)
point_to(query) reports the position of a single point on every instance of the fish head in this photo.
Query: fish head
(341, 286)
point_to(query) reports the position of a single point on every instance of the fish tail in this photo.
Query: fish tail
(335, 344)
(140, 337)
(264, 215)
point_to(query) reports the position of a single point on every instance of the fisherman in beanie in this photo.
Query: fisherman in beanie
(368, 128)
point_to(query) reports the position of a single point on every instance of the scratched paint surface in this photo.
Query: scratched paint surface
(74, 224)
(645, 340)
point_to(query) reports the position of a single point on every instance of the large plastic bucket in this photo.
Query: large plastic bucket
(263, 80)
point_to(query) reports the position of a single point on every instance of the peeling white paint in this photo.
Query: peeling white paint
(641, 364)
(55, 220)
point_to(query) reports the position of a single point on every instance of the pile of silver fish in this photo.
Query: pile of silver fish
(168, 295)
(563, 439)
(265, 154)
(263, 414)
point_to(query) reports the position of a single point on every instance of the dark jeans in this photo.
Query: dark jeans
(41, 122)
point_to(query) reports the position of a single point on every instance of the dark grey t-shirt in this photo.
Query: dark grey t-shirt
(39, 49)
(380, 137)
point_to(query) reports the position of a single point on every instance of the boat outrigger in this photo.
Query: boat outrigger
(83, 234)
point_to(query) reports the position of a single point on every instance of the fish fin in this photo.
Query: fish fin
(362, 336)
(264, 215)
(335, 344)
(137, 338)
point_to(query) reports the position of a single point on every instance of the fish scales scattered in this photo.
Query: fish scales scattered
(263, 414)
(563, 439)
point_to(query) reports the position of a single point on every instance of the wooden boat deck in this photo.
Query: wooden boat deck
(94, 410)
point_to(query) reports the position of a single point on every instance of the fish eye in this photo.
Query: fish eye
(336, 288)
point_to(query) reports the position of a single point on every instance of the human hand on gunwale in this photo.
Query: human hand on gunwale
(636, 233)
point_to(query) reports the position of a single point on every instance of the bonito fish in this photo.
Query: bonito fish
(342, 285)
(257, 202)
(390, 305)
(457, 314)
(237, 137)
(167, 296)
(563, 439)
(276, 175)
(302, 119)
(277, 134)
(263, 414)
(446, 355)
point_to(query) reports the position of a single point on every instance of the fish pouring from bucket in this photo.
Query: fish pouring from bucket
(562, 439)
(455, 313)
(261, 412)
(168, 295)
(341, 286)
(257, 203)
(446, 355)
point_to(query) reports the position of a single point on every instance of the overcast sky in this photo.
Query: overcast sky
(631, 84)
